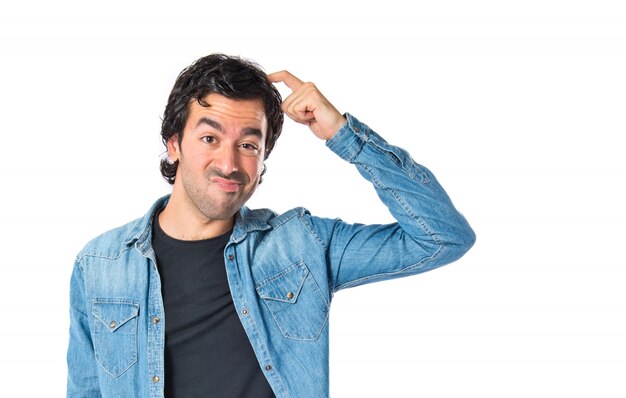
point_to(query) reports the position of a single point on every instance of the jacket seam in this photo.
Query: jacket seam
(407, 209)
(360, 281)
(311, 231)
(402, 164)
(105, 256)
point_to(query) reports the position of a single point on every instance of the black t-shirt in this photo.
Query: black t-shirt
(207, 352)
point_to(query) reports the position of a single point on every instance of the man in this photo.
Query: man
(203, 297)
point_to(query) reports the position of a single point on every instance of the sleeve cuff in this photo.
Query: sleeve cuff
(350, 138)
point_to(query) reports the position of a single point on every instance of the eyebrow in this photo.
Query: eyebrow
(216, 125)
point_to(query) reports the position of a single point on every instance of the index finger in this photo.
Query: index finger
(283, 76)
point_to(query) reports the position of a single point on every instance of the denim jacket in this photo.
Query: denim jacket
(283, 270)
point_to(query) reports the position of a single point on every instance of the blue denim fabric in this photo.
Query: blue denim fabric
(282, 269)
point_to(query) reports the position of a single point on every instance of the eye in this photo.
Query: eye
(249, 147)
(208, 139)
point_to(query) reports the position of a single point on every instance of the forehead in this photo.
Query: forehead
(250, 113)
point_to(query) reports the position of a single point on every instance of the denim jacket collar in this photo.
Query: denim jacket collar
(245, 221)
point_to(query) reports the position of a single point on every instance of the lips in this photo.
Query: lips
(226, 184)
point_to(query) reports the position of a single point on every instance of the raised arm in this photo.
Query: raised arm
(429, 231)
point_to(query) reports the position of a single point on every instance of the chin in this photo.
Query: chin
(225, 214)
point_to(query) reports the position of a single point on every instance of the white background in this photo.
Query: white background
(517, 107)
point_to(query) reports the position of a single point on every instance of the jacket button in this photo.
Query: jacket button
(112, 325)
(156, 320)
(244, 311)
(231, 257)
(290, 295)
(156, 379)
(268, 367)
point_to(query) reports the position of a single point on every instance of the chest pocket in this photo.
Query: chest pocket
(115, 334)
(295, 302)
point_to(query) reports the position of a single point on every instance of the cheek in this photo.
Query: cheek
(254, 166)
(254, 170)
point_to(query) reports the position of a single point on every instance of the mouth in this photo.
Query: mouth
(226, 184)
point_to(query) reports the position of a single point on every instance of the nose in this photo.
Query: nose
(226, 160)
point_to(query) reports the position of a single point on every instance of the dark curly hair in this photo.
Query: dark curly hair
(231, 76)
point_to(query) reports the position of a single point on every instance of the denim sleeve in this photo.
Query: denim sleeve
(429, 231)
(82, 376)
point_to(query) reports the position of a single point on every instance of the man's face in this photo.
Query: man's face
(220, 156)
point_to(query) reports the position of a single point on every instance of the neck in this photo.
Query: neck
(184, 223)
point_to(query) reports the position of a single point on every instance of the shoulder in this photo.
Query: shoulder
(292, 223)
(264, 218)
(111, 243)
(115, 241)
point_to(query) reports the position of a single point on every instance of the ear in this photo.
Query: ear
(173, 149)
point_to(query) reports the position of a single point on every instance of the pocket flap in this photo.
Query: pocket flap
(284, 286)
(114, 313)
